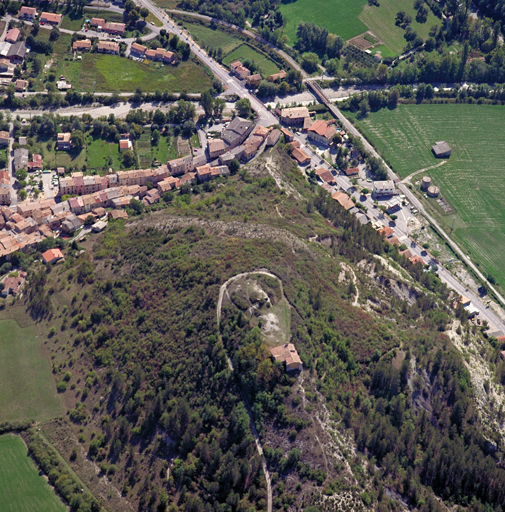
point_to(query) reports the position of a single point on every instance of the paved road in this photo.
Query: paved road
(10, 151)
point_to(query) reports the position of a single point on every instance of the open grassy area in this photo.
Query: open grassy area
(113, 73)
(165, 150)
(27, 389)
(154, 19)
(340, 17)
(213, 38)
(471, 180)
(22, 486)
(101, 152)
(381, 20)
(244, 51)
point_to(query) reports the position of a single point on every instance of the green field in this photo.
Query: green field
(471, 180)
(213, 39)
(381, 20)
(340, 17)
(99, 152)
(244, 51)
(22, 486)
(113, 73)
(27, 389)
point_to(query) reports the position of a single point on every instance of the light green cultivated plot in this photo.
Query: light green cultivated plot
(340, 17)
(21, 487)
(472, 180)
(268, 67)
(381, 20)
(27, 389)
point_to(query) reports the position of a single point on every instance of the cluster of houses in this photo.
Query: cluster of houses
(34, 221)
(253, 80)
(140, 52)
(12, 54)
(240, 140)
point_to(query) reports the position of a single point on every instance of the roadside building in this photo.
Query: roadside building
(287, 355)
(292, 145)
(137, 50)
(36, 163)
(325, 176)
(17, 52)
(253, 81)
(52, 256)
(216, 148)
(300, 156)
(321, 131)
(108, 47)
(51, 18)
(28, 13)
(20, 159)
(180, 165)
(4, 138)
(296, 115)
(12, 35)
(383, 188)
(343, 200)
(114, 28)
(239, 70)
(441, 149)
(12, 285)
(288, 136)
(99, 226)
(5, 192)
(273, 137)
(352, 171)
(393, 205)
(236, 132)
(97, 22)
(81, 45)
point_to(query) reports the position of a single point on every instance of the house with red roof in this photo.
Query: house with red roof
(288, 355)
(52, 256)
(322, 131)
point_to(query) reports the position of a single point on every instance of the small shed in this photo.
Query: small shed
(441, 149)
(99, 226)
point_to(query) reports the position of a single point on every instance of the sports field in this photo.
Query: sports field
(22, 488)
(27, 389)
(381, 20)
(471, 180)
(340, 17)
(114, 73)
(244, 51)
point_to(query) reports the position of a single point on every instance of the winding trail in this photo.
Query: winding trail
(257, 440)
(410, 176)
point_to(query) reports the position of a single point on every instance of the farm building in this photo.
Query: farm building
(441, 149)
(288, 355)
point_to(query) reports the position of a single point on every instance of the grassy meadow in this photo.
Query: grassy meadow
(340, 17)
(244, 51)
(471, 180)
(113, 73)
(27, 389)
(22, 486)
(213, 38)
(381, 20)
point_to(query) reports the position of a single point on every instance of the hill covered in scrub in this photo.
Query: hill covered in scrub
(160, 398)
